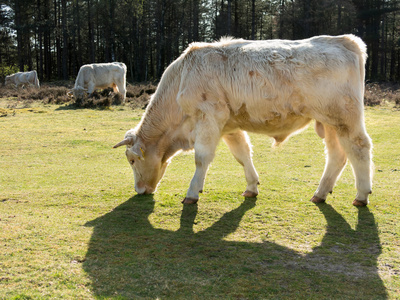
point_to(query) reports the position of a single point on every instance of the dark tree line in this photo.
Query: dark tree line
(55, 37)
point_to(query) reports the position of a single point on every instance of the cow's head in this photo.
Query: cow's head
(146, 162)
(77, 92)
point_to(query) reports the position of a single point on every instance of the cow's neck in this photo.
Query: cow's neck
(161, 115)
(166, 129)
(163, 121)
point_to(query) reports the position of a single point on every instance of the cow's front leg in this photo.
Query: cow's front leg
(240, 147)
(90, 89)
(206, 141)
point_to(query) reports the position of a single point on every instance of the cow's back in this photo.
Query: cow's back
(100, 74)
(22, 78)
(273, 78)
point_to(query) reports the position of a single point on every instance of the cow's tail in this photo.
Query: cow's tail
(361, 50)
(36, 80)
(356, 45)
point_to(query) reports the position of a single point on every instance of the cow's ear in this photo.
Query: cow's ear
(139, 150)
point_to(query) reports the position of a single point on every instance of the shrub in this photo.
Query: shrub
(6, 70)
(377, 93)
(99, 98)
(138, 95)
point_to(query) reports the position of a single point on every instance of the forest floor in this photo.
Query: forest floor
(138, 95)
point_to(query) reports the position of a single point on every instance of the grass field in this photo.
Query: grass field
(72, 227)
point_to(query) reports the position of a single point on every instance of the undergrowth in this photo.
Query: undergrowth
(138, 95)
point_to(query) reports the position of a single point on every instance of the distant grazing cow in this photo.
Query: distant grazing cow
(100, 76)
(275, 87)
(23, 78)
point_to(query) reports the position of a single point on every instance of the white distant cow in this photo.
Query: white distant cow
(23, 78)
(100, 76)
(275, 87)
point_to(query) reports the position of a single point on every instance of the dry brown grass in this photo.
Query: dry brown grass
(378, 93)
(138, 95)
(46, 94)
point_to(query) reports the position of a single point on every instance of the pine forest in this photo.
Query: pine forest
(56, 37)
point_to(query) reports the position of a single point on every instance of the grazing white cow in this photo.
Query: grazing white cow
(22, 78)
(275, 87)
(100, 76)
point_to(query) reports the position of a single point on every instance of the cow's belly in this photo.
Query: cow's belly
(279, 127)
(103, 85)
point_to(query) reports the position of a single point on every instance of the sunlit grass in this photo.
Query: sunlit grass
(71, 226)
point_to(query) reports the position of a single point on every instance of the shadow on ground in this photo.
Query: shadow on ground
(128, 259)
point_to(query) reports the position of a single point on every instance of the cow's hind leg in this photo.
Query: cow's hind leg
(357, 145)
(115, 88)
(206, 140)
(122, 89)
(335, 161)
(239, 145)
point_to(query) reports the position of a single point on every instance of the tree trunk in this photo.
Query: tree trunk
(160, 39)
(47, 45)
(91, 33)
(111, 33)
(58, 38)
(236, 22)
(79, 60)
(339, 18)
(40, 37)
(253, 19)
(196, 20)
(18, 25)
(65, 40)
(229, 20)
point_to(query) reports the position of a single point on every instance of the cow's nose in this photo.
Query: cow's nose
(140, 188)
(140, 191)
(144, 191)
(149, 190)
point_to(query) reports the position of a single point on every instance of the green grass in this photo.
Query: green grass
(71, 226)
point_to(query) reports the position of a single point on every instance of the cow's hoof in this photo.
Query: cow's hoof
(316, 199)
(189, 201)
(360, 203)
(249, 194)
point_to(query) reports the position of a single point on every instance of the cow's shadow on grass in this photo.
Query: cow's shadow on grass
(128, 259)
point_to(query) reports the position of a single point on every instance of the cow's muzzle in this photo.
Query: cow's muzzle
(143, 189)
